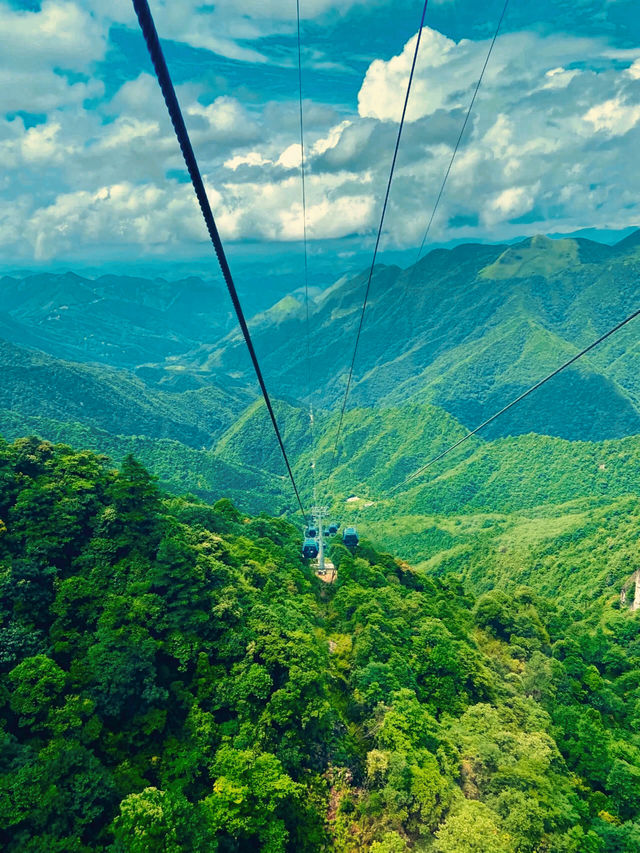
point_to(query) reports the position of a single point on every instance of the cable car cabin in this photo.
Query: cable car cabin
(350, 537)
(311, 533)
(333, 528)
(310, 549)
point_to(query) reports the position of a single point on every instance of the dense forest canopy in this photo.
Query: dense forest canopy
(174, 677)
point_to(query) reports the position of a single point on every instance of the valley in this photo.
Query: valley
(127, 365)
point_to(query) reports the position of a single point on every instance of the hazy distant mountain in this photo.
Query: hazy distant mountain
(116, 320)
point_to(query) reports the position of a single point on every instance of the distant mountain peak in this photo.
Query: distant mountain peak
(630, 242)
(538, 255)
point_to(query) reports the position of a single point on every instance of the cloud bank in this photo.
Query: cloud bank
(91, 160)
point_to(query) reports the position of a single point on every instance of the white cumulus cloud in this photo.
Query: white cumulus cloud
(614, 116)
(60, 34)
(548, 146)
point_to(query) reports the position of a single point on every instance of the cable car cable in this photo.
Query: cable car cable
(517, 400)
(164, 79)
(461, 134)
(306, 256)
(379, 234)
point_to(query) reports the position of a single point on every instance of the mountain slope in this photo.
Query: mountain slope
(582, 554)
(35, 384)
(176, 671)
(468, 328)
(117, 320)
(180, 469)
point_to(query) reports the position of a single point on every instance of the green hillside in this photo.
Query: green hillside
(499, 513)
(583, 556)
(181, 469)
(476, 379)
(467, 329)
(175, 678)
(378, 450)
(582, 553)
(382, 447)
(35, 384)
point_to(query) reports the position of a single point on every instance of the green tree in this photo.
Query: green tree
(473, 828)
(251, 800)
(155, 821)
(623, 784)
(38, 682)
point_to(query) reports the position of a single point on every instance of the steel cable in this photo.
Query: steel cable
(149, 31)
(518, 399)
(379, 234)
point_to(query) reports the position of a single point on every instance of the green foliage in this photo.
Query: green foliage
(154, 820)
(250, 798)
(180, 468)
(175, 678)
(474, 828)
(151, 673)
(36, 683)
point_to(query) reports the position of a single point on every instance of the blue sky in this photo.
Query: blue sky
(93, 175)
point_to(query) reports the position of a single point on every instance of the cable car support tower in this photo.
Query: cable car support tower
(319, 514)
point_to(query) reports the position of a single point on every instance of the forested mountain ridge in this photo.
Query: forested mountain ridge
(476, 495)
(464, 329)
(467, 328)
(558, 515)
(113, 399)
(177, 679)
(378, 449)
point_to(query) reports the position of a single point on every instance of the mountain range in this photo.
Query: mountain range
(464, 329)
(125, 364)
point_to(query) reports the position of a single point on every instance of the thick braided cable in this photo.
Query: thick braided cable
(164, 79)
